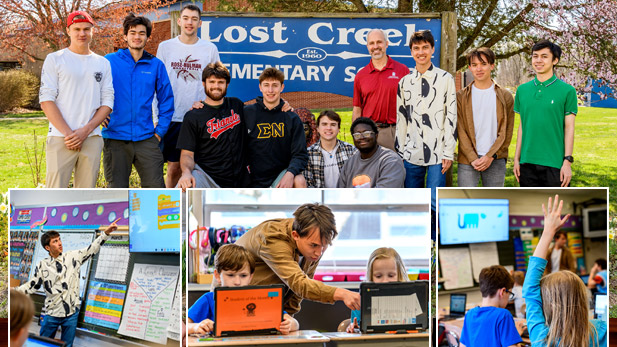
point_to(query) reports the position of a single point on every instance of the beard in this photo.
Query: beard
(214, 97)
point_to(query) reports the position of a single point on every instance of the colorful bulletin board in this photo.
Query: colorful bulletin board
(106, 278)
(29, 222)
(87, 216)
(23, 243)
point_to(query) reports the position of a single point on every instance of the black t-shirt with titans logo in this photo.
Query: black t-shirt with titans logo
(215, 136)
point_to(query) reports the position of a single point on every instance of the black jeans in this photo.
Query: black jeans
(533, 175)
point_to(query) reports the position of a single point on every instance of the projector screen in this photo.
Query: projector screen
(473, 220)
(154, 221)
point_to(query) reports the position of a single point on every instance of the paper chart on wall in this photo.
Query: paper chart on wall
(147, 309)
(104, 304)
(173, 330)
(455, 267)
(483, 255)
(113, 260)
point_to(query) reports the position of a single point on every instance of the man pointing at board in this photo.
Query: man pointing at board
(58, 276)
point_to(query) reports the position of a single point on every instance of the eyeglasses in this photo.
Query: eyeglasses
(512, 296)
(364, 135)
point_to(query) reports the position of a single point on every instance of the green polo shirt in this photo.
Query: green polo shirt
(543, 107)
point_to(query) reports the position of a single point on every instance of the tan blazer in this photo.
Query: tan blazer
(467, 151)
(566, 262)
(276, 261)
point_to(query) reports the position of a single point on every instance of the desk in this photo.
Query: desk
(383, 340)
(304, 338)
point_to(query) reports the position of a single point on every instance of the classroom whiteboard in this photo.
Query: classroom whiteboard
(71, 241)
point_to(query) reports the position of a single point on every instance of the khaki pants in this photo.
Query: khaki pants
(61, 161)
(386, 137)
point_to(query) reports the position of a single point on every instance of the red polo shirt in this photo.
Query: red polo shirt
(375, 90)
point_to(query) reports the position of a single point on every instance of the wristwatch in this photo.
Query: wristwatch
(569, 158)
(495, 156)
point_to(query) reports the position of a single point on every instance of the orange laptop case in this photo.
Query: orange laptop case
(251, 310)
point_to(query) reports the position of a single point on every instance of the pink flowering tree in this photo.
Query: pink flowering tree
(586, 30)
(32, 28)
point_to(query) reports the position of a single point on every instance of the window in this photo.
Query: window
(366, 218)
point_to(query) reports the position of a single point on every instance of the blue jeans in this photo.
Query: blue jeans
(414, 178)
(415, 175)
(69, 325)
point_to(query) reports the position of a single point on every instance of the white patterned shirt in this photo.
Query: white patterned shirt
(59, 279)
(426, 117)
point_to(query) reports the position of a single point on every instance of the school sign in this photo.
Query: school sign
(316, 54)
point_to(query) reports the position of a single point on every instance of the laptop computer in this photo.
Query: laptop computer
(40, 341)
(600, 310)
(250, 310)
(394, 306)
(458, 302)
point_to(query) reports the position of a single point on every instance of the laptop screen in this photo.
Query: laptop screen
(457, 304)
(248, 310)
(601, 306)
(394, 306)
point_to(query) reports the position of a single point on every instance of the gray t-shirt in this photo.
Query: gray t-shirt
(383, 170)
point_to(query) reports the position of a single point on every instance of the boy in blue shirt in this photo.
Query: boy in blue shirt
(491, 324)
(233, 267)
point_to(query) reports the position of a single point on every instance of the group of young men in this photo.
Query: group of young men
(405, 121)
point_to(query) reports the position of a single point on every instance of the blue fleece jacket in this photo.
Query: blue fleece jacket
(135, 84)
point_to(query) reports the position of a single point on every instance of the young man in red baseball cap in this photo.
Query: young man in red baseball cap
(75, 105)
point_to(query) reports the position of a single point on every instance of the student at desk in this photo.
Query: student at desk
(21, 311)
(563, 319)
(384, 265)
(491, 324)
(233, 267)
(598, 276)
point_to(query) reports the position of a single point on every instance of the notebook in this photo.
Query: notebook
(250, 310)
(458, 302)
(394, 306)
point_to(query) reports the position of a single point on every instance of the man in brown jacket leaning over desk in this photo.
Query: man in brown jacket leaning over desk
(287, 251)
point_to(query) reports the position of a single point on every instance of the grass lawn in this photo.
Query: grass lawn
(594, 166)
(594, 140)
(33, 114)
